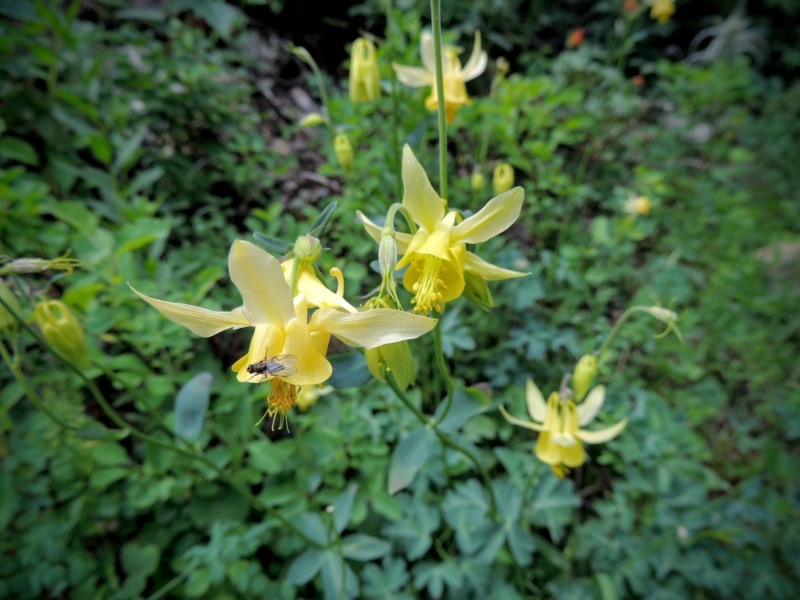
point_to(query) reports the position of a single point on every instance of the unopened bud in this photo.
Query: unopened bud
(583, 376)
(638, 206)
(311, 120)
(38, 265)
(62, 331)
(344, 151)
(478, 181)
(307, 249)
(476, 290)
(503, 178)
(309, 394)
(7, 320)
(395, 359)
(365, 78)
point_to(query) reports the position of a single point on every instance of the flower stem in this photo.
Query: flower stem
(436, 24)
(445, 439)
(443, 370)
(615, 329)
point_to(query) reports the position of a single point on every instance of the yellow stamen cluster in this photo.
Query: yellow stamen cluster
(282, 398)
(427, 296)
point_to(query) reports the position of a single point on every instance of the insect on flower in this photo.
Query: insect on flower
(275, 365)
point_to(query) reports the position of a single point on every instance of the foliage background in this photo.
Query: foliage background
(146, 138)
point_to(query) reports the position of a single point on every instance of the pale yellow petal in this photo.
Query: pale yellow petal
(547, 450)
(428, 52)
(589, 408)
(494, 218)
(413, 76)
(537, 408)
(371, 328)
(477, 60)
(375, 231)
(439, 241)
(419, 197)
(198, 320)
(489, 271)
(267, 342)
(311, 366)
(573, 455)
(258, 276)
(315, 292)
(602, 436)
(515, 421)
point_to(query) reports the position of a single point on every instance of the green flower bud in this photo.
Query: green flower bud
(307, 249)
(7, 321)
(503, 178)
(344, 152)
(62, 331)
(395, 358)
(583, 376)
(311, 120)
(478, 181)
(476, 290)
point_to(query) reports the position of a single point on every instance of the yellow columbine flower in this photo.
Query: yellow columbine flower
(436, 254)
(559, 425)
(365, 78)
(282, 326)
(662, 10)
(640, 205)
(453, 74)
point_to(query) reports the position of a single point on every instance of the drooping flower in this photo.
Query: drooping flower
(454, 76)
(365, 78)
(344, 151)
(436, 254)
(662, 10)
(62, 331)
(559, 423)
(282, 326)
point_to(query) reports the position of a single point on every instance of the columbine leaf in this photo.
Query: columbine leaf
(191, 405)
(409, 456)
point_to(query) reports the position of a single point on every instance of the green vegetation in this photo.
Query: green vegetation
(137, 144)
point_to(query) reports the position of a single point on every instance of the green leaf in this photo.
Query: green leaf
(267, 456)
(360, 546)
(349, 370)
(140, 559)
(100, 146)
(522, 545)
(140, 233)
(144, 179)
(191, 405)
(109, 454)
(317, 228)
(409, 456)
(220, 16)
(127, 151)
(343, 507)
(104, 477)
(338, 579)
(273, 245)
(313, 527)
(305, 567)
(12, 148)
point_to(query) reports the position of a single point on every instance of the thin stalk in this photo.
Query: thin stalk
(443, 370)
(445, 439)
(396, 163)
(436, 24)
(13, 366)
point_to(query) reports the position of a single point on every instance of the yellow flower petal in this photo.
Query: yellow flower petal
(604, 435)
(494, 218)
(489, 271)
(401, 239)
(547, 450)
(259, 279)
(413, 76)
(515, 421)
(316, 293)
(419, 197)
(477, 61)
(427, 51)
(198, 320)
(371, 328)
(537, 408)
(589, 408)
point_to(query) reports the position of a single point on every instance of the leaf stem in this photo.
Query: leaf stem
(436, 24)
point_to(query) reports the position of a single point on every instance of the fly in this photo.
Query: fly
(274, 365)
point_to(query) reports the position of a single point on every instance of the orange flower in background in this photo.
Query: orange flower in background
(575, 38)
(630, 6)
(637, 80)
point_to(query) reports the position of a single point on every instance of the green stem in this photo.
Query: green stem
(396, 163)
(445, 439)
(443, 370)
(306, 57)
(436, 24)
(13, 366)
(615, 329)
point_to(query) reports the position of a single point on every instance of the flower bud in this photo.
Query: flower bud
(309, 394)
(478, 181)
(638, 206)
(584, 375)
(7, 321)
(39, 265)
(62, 331)
(311, 120)
(307, 249)
(503, 178)
(476, 290)
(394, 358)
(365, 79)
(344, 151)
